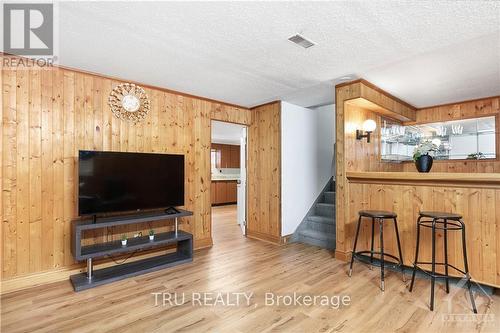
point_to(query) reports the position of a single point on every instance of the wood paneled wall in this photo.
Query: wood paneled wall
(479, 207)
(48, 115)
(352, 101)
(264, 173)
(361, 155)
(462, 110)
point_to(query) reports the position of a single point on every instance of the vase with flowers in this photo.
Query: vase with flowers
(421, 156)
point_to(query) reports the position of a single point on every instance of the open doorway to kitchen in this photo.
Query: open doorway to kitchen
(228, 158)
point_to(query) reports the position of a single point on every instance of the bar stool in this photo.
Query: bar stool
(380, 216)
(446, 222)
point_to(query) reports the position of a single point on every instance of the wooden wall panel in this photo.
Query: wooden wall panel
(355, 155)
(48, 115)
(230, 114)
(342, 93)
(364, 156)
(264, 173)
(479, 209)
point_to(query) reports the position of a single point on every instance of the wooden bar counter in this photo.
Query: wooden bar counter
(365, 181)
(483, 180)
(474, 195)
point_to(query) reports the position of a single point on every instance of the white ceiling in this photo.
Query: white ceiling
(424, 52)
(228, 133)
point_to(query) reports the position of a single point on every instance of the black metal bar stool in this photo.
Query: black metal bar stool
(446, 222)
(380, 216)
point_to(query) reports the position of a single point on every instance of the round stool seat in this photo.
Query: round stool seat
(378, 214)
(441, 215)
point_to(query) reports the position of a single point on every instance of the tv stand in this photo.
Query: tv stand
(171, 210)
(93, 278)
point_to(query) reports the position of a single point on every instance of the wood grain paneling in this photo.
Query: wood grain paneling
(231, 114)
(48, 115)
(264, 173)
(355, 102)
(478, 206)
(361, 155)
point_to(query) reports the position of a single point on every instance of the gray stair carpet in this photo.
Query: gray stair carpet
(318, 226)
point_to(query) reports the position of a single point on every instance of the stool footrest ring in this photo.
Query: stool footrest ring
(439, 225)
(362, 254)
(437, 263)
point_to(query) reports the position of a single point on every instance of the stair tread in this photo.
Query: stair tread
(317, 235)
(318, 227)
(321, 219)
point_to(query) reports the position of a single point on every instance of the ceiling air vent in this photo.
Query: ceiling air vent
(302, 41)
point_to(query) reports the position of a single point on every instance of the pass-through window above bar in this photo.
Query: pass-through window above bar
(466, 139)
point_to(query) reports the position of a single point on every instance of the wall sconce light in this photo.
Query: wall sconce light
(368, 127)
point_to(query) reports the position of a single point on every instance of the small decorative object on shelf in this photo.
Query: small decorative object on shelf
(124, 240)
(151, 235)
(129, 102)
(182, 241)
(475, 156)
(423, 161)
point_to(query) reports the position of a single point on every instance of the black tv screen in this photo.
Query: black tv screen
(113, 181)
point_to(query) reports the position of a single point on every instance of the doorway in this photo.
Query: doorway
(228, 159)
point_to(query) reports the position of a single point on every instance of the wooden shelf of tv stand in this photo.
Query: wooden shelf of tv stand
(183, 254)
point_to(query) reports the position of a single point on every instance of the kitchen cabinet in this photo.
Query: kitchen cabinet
(213, 192)
(231, 191)
(226, 156)
(220, 192)
(215, 153)
(223, 192)
(234, 157)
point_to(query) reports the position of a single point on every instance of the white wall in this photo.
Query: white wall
(307, 138)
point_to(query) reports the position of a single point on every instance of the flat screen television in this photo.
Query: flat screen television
(117, 182)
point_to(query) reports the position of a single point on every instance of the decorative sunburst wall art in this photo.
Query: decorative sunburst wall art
(129, 102)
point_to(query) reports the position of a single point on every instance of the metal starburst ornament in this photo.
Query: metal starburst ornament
(129, 102)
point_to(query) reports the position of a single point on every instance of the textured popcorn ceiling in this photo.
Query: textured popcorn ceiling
(425, 52)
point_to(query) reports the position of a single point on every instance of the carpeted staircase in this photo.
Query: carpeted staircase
(318, 227)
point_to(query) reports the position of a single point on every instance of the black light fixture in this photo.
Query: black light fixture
(368, 127)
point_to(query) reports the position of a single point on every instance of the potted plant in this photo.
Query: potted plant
(124, 240)
(423, 161)
(151, 235)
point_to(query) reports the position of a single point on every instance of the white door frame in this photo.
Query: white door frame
(244, 227)
(242, 184)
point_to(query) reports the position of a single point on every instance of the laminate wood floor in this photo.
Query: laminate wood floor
(237, 264)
